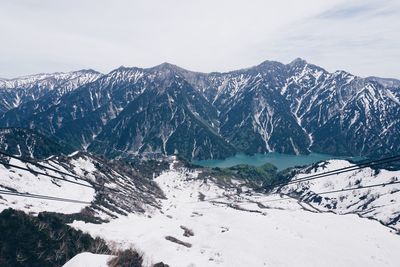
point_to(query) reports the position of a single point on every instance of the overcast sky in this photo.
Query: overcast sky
(362, 37)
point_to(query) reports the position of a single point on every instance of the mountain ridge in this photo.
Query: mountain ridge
(290, 108)
(172, 65)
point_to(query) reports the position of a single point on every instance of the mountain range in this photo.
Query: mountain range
(294, 108)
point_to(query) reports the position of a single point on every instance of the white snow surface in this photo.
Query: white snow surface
(87, 259)
(381, 203)
(27, 182)
(246, 230)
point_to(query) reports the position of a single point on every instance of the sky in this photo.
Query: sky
(359, 36)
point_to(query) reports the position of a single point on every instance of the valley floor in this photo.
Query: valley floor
(223, 230)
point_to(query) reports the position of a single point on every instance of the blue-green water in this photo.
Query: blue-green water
(281, 161)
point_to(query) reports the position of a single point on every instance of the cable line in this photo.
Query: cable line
(320, 193)
(338, 171)
(332, 172)
(40, 165)
(44, 197)
(52, 169)
(46, 174)
(335, 191)
(358, 165)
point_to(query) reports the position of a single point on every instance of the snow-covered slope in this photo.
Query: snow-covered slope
(87, 259)
(114, 189)
(200, 221)
(25, 181)
(51, 80)
(205, 224)
(380, 203)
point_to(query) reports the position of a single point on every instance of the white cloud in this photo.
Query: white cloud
(204, 35)
(360, 37)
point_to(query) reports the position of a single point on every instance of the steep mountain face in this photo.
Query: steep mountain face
(133, 110)
(255, 120)
(169, 117)
(342, 113)
(253, 114)
(49, 87)
(29, 144)
(300, 107)
(78, 116)
(293, 108)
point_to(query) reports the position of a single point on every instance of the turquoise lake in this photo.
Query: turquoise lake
(281, 161)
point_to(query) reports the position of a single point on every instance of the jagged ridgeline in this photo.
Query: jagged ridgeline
(291, 108)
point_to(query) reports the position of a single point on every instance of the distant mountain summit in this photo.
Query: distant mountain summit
(290, 108)
(18, 91)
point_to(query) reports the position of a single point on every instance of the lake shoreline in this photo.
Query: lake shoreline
(280, 160)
